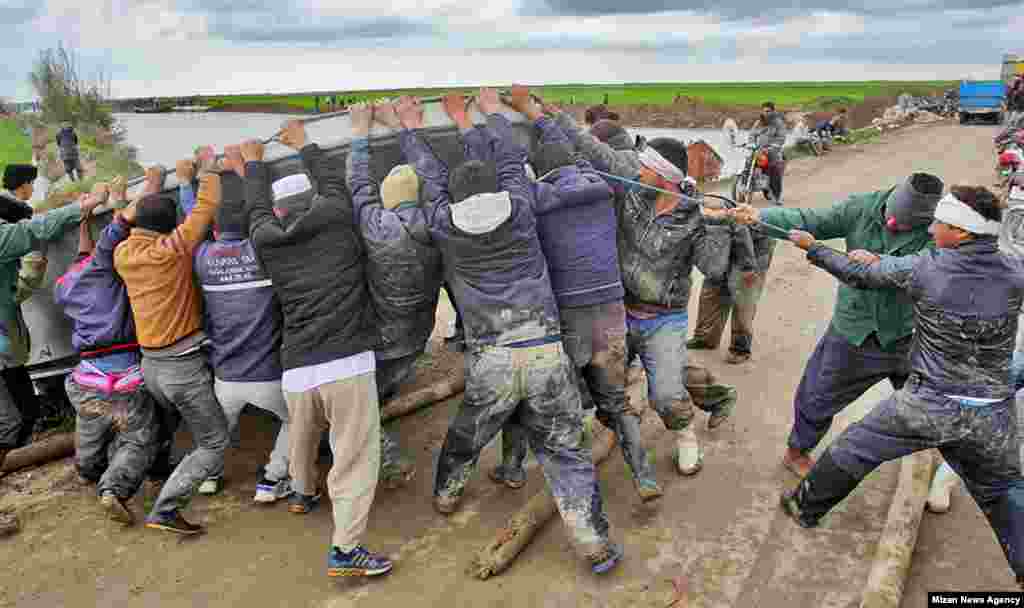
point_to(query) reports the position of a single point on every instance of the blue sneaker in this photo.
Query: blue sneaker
(358, 562)
(607, 559)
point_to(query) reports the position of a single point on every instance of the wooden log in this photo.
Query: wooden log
(40, 452)
(528, 521)
(428, 395)
(888, 575)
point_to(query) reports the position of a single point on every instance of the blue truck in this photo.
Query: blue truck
(982, 99)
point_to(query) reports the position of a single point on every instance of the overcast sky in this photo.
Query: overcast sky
(178, 47)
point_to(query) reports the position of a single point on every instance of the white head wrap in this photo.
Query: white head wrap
(954, 212)
(291, 185)
(650, 158)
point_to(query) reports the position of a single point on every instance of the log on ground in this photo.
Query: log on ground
(528, 521)
(40, 452)
(418, 399)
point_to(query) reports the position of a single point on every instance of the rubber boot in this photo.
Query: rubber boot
(627, 427)
(511, 471)
(689, 456)
(942, 487)
(823, 488)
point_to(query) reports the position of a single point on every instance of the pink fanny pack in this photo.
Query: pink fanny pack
(88, 375)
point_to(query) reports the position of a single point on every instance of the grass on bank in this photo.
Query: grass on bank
(789, 95)
(15, 146)
(111, 159)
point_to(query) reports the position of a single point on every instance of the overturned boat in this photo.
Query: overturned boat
(52, 353)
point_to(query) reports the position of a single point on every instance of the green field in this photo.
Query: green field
(15, 146)
(789, 95)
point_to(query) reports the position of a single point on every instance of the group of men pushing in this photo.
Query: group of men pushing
(324, 296)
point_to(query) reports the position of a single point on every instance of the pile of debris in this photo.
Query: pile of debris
(908, 110)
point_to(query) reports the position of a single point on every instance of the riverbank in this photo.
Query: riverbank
(101, 154)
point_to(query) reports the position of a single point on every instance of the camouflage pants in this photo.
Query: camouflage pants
(673, 385)
(115, 437)
(980, 443)
(536, 384)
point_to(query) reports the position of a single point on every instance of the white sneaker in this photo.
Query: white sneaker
(211, 486)
(268, 491)
(689, 455)
(942, 489)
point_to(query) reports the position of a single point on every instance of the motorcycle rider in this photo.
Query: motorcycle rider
(771, 131)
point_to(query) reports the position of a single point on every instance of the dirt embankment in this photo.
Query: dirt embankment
(688, 113)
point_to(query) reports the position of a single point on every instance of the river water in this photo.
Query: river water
(165, 138)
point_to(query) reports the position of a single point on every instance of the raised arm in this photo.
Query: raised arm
(263, 223)
(433, 173)
(889, 272)
(184, 170)
(623, 163)
(195, 227)
(365, 196)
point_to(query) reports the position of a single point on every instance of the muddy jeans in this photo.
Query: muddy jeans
(673, 386)
(537, 384)
(594, 337)
(185, 384)
(115, 437)
(349, 411)
(837, 374)
(716, 304)
(267, 396)
(979, 442)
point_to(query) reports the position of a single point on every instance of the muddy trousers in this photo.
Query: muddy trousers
(836, 375)
(391, 375)
(267, 396)
(717, 303)
(980, 443)
(115, 437)
(184, 386)
(536, 384)
(19, 408)
(594, 337)
(674, 386)
(349, 411)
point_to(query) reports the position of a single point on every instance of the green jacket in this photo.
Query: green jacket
(860, 221)
(18, 279)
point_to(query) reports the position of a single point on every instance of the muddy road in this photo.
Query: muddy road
(722, 530)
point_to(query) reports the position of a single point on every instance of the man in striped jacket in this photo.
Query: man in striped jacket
(243, 322)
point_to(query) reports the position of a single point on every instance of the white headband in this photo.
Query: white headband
(952, 211)
(650, 158)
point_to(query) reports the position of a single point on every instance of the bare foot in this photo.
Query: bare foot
(797, 462)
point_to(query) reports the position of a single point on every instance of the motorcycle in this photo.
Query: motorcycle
(754, 175)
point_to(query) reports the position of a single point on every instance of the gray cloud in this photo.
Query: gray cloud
(272, 29)
(744, 9)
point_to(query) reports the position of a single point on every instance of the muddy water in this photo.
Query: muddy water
(164, 138)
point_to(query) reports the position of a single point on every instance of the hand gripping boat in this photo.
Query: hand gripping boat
(52, 353)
